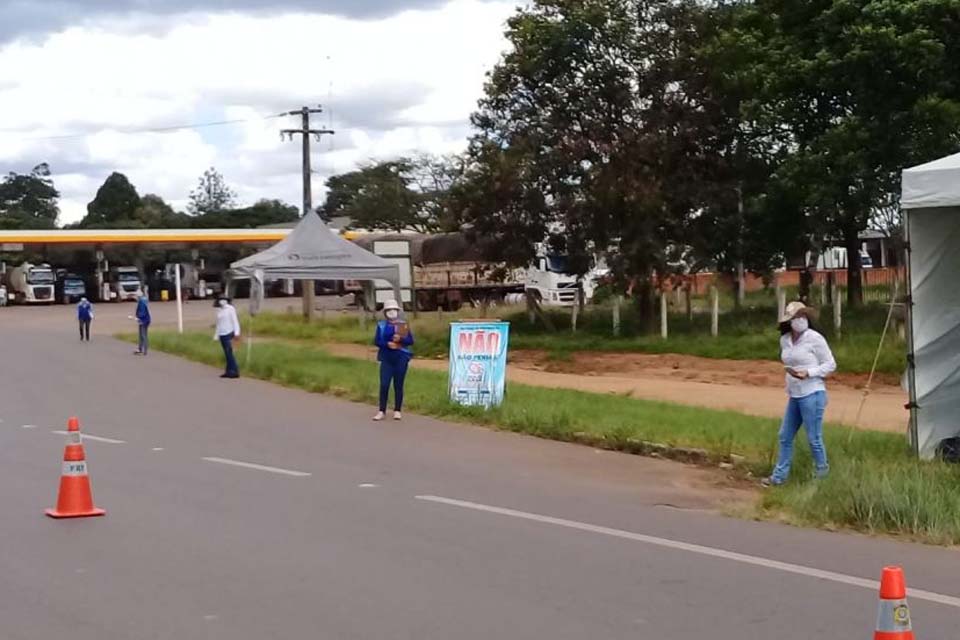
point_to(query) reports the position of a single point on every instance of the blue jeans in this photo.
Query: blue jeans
(806, 411)
(144, 342)
(227, 343)
(393, 369)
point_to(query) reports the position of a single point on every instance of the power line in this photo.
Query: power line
(168, 129)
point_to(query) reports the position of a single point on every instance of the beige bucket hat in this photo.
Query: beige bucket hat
(795, 309)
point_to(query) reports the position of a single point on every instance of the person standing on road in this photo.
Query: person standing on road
(228, 330)
(143, 323)
(807, 360)
(394, 339)
(85, 317)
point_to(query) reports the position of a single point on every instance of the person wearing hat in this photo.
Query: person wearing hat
(807, 360)
(228, 330)
(393, 339)
(85, 316)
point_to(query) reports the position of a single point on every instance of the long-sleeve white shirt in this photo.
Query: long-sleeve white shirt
(227, 322)
(809, 353)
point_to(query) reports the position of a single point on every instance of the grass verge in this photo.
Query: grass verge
(745, 335)
(873, 487)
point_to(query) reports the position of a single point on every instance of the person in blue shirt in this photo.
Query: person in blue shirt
(394, 339)
(143, 322)
(85, 316)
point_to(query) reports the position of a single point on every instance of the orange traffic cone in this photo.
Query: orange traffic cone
(75, 499)
(893, 621)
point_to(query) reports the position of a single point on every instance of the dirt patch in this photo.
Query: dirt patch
(756, 373)
(749, 387)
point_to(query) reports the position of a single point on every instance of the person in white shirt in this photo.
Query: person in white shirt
(807, 360)
(228, 330)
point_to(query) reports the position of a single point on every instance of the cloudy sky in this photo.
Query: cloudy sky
(77, 77)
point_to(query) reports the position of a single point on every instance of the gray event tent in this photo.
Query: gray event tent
(313, 252)
(931, 203)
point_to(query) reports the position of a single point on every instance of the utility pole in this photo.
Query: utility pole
(306, 132)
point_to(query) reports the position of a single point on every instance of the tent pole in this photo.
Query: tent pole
(179, 299)
(911, 353)
(309, 299)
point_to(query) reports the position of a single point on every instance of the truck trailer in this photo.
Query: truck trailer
(449, 271)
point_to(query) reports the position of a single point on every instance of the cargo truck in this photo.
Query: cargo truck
(31, 284)
(69, 287)
(450, 271)
(125, 284)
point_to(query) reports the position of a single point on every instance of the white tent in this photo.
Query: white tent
(312, 252)
(931, 203)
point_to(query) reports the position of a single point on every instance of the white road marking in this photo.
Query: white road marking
(368, 486)
(259, 467)
(158, 449)
(28, 426)
(87, 436)
(786, 567)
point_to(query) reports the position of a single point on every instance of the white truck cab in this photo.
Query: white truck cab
(32, 284)
(550, 282)
(125, 284)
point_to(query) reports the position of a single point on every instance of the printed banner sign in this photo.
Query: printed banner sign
(478, 363)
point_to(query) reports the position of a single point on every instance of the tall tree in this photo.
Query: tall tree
(380, 196)
(212, 194)
(862, 89)
(29, 201)
(590, 133)
(116, 200)
(264, 212)
(434, 179)
(155, 213)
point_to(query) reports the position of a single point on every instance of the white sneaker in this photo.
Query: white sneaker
(378, 417)
(397, 415)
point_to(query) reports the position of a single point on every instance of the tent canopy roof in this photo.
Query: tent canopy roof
(934, 184)
(312, 252)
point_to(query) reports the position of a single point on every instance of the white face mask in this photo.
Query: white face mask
(799, 325)
(392, 314)
(223, 303)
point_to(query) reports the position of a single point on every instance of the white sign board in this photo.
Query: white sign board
(397, 252)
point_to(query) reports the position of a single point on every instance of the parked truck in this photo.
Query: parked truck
(125, 284)
(69, 287)
(194, 283)
(31, 284)
(450, 271)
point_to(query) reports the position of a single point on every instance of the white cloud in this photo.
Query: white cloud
(398, 85)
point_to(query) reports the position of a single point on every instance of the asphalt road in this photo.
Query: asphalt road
(349, 529)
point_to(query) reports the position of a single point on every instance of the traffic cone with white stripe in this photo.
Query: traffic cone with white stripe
(75, 499)
(893, 621)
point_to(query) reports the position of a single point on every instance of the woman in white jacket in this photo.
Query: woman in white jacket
(807, 360)
(228, 330)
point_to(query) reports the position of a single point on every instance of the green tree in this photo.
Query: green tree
(380, 196)
(116, 201)
(155, 213)
(857, 90)
(591, 133)
(264, 212)
(29, 201)
(212, 194)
